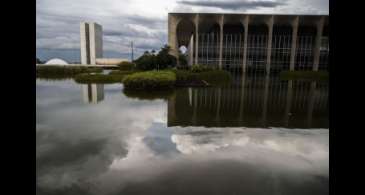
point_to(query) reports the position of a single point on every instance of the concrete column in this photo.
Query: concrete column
(83, 42)
(295, 25)
(318, 44)
(218, 104)
(190, 93)
(191, 50)
(172, 37)
(289, 97)
(196, 20)
(221, 24)
(270, 25)
(96, 42)
(312, 99)
(266, 94)
(242, 97)
(195, 104)
(244, 60)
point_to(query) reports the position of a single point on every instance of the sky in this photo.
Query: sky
(142, 21)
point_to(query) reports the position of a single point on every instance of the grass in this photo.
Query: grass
(304, 75)
(148, 95)
(132, 79)
(200, 68)
(58, 72)
(150, 80)
(98, 78)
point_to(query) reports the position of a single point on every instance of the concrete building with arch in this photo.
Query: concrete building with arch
(251, 42)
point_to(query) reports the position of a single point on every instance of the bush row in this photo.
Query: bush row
(98, 78)
(46, 71)
(150, 80)
(125, 66)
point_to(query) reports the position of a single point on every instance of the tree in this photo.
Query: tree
(146, 62)
(183, 60)
(164, 59)
(38, 61)
(150, 61)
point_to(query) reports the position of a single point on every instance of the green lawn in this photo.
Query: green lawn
(150, 80)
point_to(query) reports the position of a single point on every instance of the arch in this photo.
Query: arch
(325, 31)
(259, 29)
(257, 41)
(307, 30)
(233, 28)
(184, 30)
(281, 47)
(233, 40)
(208, 40)
(304, 56)
(208, 26)
(283, 29)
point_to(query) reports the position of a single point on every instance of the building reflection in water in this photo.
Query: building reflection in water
(93, 93)
(252, 102)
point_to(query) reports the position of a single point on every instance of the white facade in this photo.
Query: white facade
(110, 61)
(91, 42)
(56, 61)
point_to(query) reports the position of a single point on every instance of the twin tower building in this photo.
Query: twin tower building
(91, 42)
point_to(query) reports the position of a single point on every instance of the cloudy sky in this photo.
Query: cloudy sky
(142, 21)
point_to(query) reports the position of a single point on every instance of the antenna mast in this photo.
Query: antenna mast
(132, 51)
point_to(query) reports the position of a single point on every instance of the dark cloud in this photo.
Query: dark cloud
(234, 5)
(58, 30)
(146, 21)
(57, 22)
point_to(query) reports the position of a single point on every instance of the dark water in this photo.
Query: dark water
(268, 137)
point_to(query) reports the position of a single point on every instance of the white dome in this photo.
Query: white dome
(56, 61)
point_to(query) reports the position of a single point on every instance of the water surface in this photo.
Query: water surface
(257, 136)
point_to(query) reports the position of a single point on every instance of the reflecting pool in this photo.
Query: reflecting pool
(260, 135)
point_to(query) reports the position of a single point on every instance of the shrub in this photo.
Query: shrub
(185, 75)
(47, 71)
(146, 62)
(183, 60)
(164, 59)
(200, 68)
(150, 61)
(98, 78)
(150, 80)
(126, 65)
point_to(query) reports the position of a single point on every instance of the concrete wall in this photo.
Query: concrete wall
(248, 20)
(83, 41)
(110, 61)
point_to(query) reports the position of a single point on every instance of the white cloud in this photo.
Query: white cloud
(141, 21)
